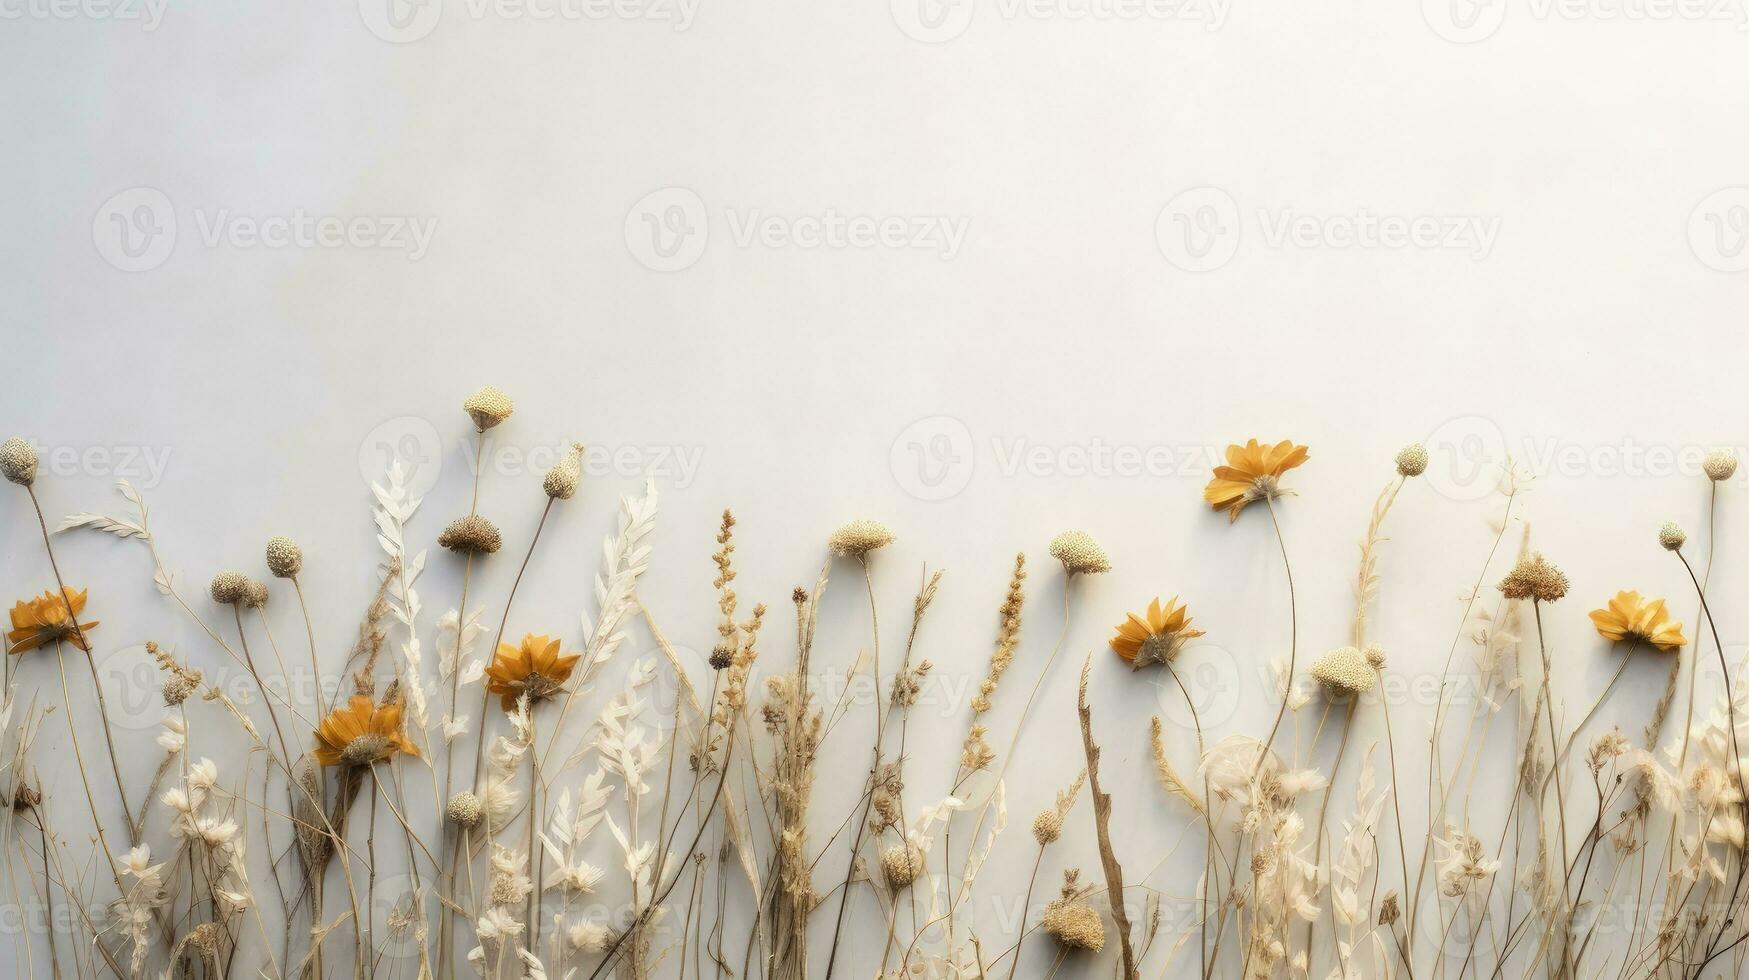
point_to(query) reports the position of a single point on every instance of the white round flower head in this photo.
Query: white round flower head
(858, 538)
(284, 558)
(1720, 465)
(1079, 553)
(1412, 459)
(465, 809)
(18, 461)
(1344, 671)
(560, 483)
(488, 407)
(1671, 536)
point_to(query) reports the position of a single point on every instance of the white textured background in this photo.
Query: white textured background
(621, 205)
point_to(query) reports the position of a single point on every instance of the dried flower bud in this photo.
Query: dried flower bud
(471, 535)
(1720, 465)
(1671, 536)
(1389, 911)
(1375, 656)
(255, 596)
(1344, 671)
(465, 809)
(179, 686)
(721, 658)
(1075, 924)
(858, 538)
(1412, 459)
(488, 407)
(284, 558)
(26, 797)
(205, 937)
(18, 461)
(1079, 553)
(1047, 827)
(229, 588)
(901, 864)
(560, 482)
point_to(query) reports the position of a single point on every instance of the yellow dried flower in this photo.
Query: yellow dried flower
(1253, 472)
(1155, 638)
(858, 538)
(1630, 617)
(488, 407)
(18, 461)
(1079, 553)
(1535, 578)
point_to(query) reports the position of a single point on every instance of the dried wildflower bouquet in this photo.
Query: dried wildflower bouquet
(478, 797)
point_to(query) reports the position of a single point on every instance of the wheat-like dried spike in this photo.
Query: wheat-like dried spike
(1169, 777)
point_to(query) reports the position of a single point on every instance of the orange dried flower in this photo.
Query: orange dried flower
(361, 733)
(1253, 472)
(46, 619)
(1155, 638)
(1630, 617)
(535, 668)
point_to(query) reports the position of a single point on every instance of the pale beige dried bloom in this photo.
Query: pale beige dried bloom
(255, 595)
(858, 538)
(560, 483)
(18, 461)
(1071, 921)
(1079, 553)
(1720, 465)
(488, 407)
(901, 864)
(229, 588)
(465, 809)
(1375, 656)
(1344, 671)
(284, 558)
(205, 937)
(471, 535)
(1389, 910)
(1671, 536)
(1412, 459)
(976, 753)
(1047, 827)
(1536, 578)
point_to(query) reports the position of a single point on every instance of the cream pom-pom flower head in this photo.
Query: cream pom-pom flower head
(1079, 553)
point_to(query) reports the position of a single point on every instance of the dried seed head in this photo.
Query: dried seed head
(858, 538)
(471, 535)
(1079, 553)
(1375, 657)
(721, 658)
(1671, 536)
(900, 865)
(1075, 924)
(284, 558)
(179, 686)
(465, 809)
(1047, 827)
(560, 482)
(1720, 465)
(1389, 910)
(205, 937)
(25, 797)
(229, 588)
(1412, 459)
(255, 596)
(1344, 671)
(18, 461)
(1534, 577)
(488, 407)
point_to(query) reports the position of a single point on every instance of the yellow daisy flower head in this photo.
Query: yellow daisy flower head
(361, 733)
(1154, 638)
(1253, 472)
(47, 618)
(535, 667)
(1631, 617)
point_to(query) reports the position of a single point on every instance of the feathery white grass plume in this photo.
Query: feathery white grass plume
(395, 506)
(624, 558)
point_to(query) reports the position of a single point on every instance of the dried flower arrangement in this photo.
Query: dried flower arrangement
(486, 850)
